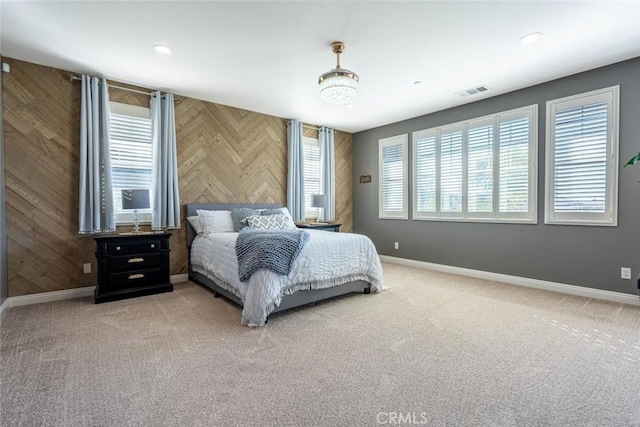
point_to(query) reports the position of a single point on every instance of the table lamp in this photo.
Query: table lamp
(135, 199)
(318, 201)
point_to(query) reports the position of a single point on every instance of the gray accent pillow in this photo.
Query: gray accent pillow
(269, 222)
(239, 216)
(271, 211)
(284, 211)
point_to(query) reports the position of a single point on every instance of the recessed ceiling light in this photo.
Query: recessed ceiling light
(160, 48)
(530, 38)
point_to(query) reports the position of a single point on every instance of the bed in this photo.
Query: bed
(320, 271)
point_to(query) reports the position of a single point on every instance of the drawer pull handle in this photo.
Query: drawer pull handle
(134, 260)
(153, 246)
(117, 248)
(136, 276)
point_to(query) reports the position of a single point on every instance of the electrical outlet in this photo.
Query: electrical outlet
(396, 245)
(87, 268)
(625, 273)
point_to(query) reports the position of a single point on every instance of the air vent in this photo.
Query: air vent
(472, 91)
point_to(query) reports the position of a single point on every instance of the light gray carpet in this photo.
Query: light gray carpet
(436, 349)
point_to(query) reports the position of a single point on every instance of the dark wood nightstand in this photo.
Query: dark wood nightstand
(327, 226)
(132, 265)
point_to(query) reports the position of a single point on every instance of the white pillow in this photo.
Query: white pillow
(284, 211)
(196, 224)
(216, 221)
(268, 222)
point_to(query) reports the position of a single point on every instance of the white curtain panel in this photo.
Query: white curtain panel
(295, 175)
(328, 172)
(96, 212)
(166, 198)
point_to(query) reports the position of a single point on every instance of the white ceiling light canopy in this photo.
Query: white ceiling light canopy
(530, 38)
(338, 86)
(160, 48)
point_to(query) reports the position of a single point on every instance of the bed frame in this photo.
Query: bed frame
(288, 301)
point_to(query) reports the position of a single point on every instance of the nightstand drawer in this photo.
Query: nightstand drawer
(119, 248)
(135, 262)
(131, 279)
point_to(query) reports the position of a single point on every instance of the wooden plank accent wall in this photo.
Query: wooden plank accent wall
(225, 154)
(344, 180)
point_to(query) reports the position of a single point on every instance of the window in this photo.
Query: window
(478, 170)
(392, 155)
(311, 175)
(582, 159)
(131, 156)
(450, 175)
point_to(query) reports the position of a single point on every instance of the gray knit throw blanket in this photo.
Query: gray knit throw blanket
(272, 249)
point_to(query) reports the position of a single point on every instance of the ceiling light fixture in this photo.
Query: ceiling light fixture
(160, 48)
(530, 38)
(338, 86)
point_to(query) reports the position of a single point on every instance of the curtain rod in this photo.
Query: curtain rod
(311, 127)
(72, 78)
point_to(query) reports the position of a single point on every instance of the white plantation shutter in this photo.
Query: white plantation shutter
(424, 154)
(480, 168)
(131, 154)
(582, 159)
(451, 171)
(311, 175)
(393, 177)
(514, 137)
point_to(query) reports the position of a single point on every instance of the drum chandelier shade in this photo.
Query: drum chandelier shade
(338, 86)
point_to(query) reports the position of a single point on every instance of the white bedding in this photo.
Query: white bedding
(328, 259)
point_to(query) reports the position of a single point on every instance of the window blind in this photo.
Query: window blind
(425, 173)
(480, 169)
(131, 155)
(311, 175)
(580, 159)
(514, 136)
(392, 171)
(451, 172)
(393, 177)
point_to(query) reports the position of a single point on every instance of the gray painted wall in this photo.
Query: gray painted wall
(577, 255)
(3, 211)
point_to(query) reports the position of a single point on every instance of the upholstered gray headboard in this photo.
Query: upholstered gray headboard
(193, 207)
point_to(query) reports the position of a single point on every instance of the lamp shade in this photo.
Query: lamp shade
(135, 199)
(318, 200)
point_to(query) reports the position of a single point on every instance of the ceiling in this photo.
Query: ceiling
(266, 56)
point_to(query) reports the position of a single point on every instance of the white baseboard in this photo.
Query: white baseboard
(4, 307)
(49, 296)
(65, 294)
(519, 281)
